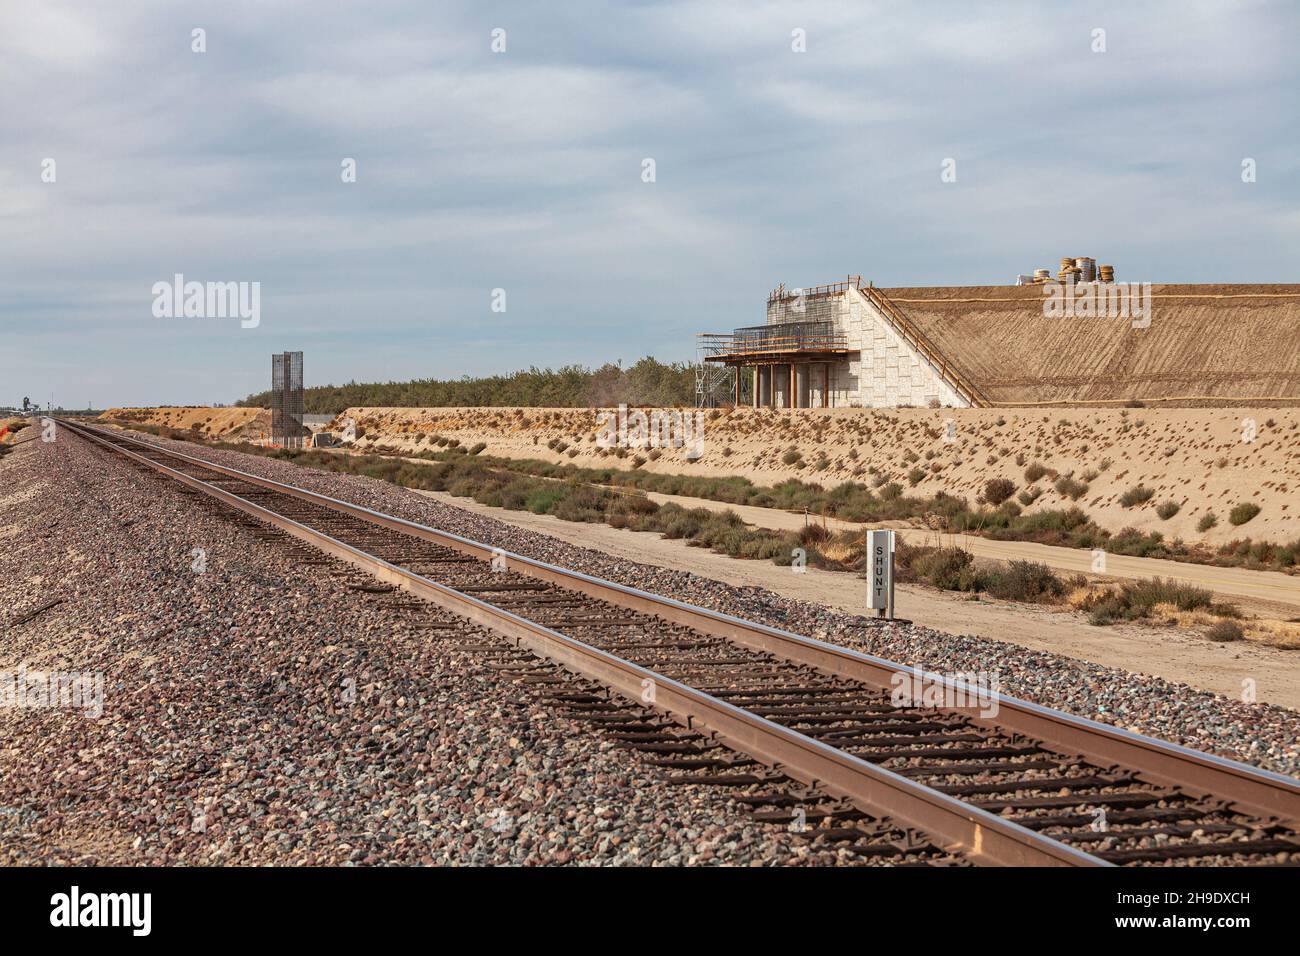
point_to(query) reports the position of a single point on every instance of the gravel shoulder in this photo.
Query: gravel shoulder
(1262, 734)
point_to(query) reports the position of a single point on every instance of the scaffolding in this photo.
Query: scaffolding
(714, 384)
(781, 340)
(287, 427)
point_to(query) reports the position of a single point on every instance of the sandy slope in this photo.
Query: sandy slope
(1216, 344)
(228, 424)
(1195, 457)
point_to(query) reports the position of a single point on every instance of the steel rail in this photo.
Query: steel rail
(1258, 792)
(978, 834)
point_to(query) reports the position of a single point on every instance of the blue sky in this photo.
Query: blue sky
(522, 170)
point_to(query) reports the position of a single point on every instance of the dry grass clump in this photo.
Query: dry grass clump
(1283, 634)
(1179, 605)
(1145, 599)
(998, 490)
(1223, 632)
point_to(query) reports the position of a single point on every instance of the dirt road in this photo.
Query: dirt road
(1268, 590)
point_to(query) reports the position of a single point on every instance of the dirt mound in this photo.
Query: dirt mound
(223, 424)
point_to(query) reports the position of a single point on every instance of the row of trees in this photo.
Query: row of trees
(648, 382)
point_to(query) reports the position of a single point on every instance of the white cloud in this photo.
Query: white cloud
(523, 169)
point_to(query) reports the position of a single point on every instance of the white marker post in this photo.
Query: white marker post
(880, 570)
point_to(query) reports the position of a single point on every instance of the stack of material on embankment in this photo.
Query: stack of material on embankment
(1205, 345)
(223, 424)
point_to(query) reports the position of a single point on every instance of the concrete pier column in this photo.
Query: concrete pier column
(803, 387)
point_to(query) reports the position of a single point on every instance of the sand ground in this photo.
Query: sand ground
(1202, 459)
(1164, 652)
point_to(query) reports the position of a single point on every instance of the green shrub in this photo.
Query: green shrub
(1136, 599)
(1167, 509)
(943, 567)
(1049, 525)
(791, 457)
(1142, 596)
(1025, 581)
(581, 504)
(1107, 612)
(1070, 488)
(915, 475)
(1029, 496)
(1243, 512)
(542, 499)
(1132, 542)
(1208, 521)
(1034, 472)
(1138, 494)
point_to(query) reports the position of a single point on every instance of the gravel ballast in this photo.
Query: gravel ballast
(256, 711)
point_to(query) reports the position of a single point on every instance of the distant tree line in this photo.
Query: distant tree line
(648, 382)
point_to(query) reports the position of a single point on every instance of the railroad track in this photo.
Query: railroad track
(747, 704)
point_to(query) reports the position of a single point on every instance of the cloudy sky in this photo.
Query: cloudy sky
(523, 171)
